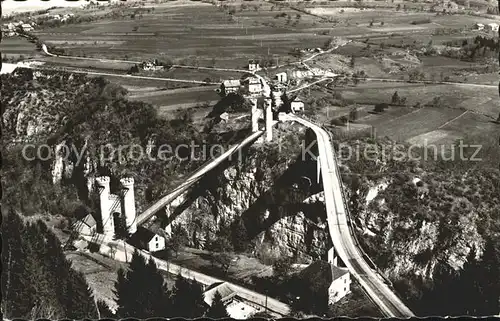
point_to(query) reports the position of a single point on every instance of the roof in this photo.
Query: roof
(89, 220)
(26, 25)
(253, 61)
(142, 235)
(322, 270)
(493, 24)
(225, 290)
(232, 83)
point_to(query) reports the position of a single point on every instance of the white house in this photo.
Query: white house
(334, 280)
(254, 86)
(479, 26)
(281, 77)
(230, 86)
(253, 65)
(340, 285)
(27, 27)
(147, 240)
(297, 106)
(493, 26)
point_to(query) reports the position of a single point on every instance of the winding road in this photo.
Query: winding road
(341, 234)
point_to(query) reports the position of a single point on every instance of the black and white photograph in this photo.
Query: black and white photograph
(246, 159)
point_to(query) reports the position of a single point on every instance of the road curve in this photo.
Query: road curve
(340, 232)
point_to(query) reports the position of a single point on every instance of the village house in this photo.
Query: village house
(253, 65)
(147, 240)
(281, 77)
(27, 27)
(230, 86)
(328, 279)
(150, 66)
(297, 106)
(492, 27)
(479, 26)
(253, 85)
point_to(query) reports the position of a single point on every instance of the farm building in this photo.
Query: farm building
(150, 66)
(236, 306)
(253, 65)
(253, 85)
(147, 240)
(86, 225)
(230, 86)
(327, 280)
(479, 26)
(492, 26)
(27, 27)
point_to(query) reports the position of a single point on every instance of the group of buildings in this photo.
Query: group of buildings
(493, 26)
(59, 17)
(252, 87)
(10, 29)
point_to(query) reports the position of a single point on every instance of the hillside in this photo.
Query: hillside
(82, 128)
(417, 219)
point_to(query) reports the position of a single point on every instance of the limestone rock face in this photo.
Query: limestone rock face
(278, 213)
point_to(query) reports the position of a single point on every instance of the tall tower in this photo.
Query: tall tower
(129, 204)
(105, 204)
(269, 120)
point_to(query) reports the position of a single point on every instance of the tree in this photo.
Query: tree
(380, 107)
(395, 98)
(224, 260)
(353, 114)
(187, 299)
(177, 239)
(217, 310)
(140, 292)
(239, 235)
(37, 279)
(489, 278)
(282, 267)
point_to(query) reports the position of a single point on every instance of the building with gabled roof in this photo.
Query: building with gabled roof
(230, 86)
(147, 240)
(327, 280)
(87, 225)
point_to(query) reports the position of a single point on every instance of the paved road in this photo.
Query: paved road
(340, 232)
(123, 252)
(195, 177)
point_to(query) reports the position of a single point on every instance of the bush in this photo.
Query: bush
(380, 107)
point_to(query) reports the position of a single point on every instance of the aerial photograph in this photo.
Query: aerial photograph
(245, 159)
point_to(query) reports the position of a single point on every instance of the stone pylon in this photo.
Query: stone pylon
(129, 204)
(105, 206)
(254, 115)
(269, 120)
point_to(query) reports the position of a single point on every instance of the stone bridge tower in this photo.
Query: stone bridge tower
(108, 228)
(129, 204)
(256, 114)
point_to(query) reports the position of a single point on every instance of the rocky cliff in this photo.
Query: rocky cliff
(413, 216)
(272, 189)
